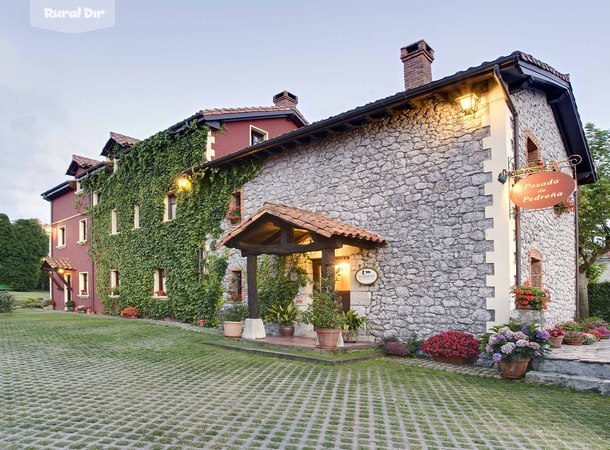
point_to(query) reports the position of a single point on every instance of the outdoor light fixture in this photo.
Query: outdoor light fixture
(184, 183)
(469, 103)
(60, 271)
(503, 176)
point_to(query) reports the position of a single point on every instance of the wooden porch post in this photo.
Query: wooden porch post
(328, 268)
(252, 289)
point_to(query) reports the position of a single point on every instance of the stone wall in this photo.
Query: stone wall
(553, 237)
(417, 180)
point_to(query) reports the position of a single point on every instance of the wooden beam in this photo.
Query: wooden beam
(328, 268)
(252, 288)
(50, 272)
(285, 249)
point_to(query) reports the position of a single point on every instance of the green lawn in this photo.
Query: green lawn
(78, 381)
(21, 297)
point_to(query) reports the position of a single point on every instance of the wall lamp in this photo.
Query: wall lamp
(469, 103)
(184, 183)
(503, 176)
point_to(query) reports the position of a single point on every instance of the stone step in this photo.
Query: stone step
(578, 382)
(575, 367)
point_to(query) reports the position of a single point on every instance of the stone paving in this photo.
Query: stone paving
(70, 381)
(598, 352)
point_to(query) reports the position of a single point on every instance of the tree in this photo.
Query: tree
(23, 244)
(594, 213)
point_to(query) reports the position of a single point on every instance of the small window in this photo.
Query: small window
(533, 154)
(115, 165)
(61, 237)
(96, 198)
(114, 227)
(79, 187)
(115, 281)
(170, 207)
(536, 269)
(257, 135)
(82, 231)
(159, 289)
(83, 284)
(234, 212)
(136, 216)
(235, 286)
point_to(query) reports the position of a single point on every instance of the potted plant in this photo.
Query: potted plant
(232, 318)
(593, 332)
(455, 347)
(234, 214)
(160, 293)
(513, 345)
(353, 323)
(574, 338)
(130, 312)
(395, 349)
(589, 339)
(69, 305)
(604, 332)
(285, 316)
(48, 304)
(556, 335)
(530, 297)
(325, 314)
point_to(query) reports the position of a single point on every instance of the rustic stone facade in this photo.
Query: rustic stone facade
(417, 180)
(541, 231)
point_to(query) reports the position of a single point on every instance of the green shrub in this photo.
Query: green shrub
(32, 303)
(599, 300)
(7, 302)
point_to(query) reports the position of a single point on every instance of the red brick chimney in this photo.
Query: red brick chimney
(417, 59)
(285, 99)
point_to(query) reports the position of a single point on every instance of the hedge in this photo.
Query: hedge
(599, 299)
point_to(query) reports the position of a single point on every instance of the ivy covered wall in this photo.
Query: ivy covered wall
(144, 177)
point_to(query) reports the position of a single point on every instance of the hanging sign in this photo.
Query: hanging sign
(542, 190)
(366, 276)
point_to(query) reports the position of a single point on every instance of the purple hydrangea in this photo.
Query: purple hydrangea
(533, 345)
(508, 348)
(522, 343)
(520, 335)
(543, 335)
(497, 357)
(526, 329)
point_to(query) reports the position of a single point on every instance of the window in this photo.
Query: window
(83, 284)
(136, 216)
(115, 165)
(170, 207)
(115, 281)
(234, 212)
(113, 222)
(257, 135)
(536, 269)
(533, 154)
(235, 286)
(68, 287)
(79, 187)
(96, 198)
(82, 231)
(159, 289)
(61, 237)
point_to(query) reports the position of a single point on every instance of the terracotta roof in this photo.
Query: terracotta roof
(84, 162)
(219, 111)
(308, 220)
(57, 263)
(123, 140)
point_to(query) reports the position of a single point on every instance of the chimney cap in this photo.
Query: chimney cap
(285, 98)
(420, 47)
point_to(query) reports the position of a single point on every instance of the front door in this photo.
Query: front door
(342, 281)
(67, 287)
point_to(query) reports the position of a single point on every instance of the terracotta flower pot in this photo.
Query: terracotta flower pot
(605, 336)
(232, 329)
(574, 341)
(527, 307)
(556, 341)
(514, 369)
(327, 337)
(286, 330)
(460, 360)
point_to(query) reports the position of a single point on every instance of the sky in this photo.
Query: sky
(163, 60)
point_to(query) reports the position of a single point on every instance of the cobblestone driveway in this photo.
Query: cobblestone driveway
(69, 381)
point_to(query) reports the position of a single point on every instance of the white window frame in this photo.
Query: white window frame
(67, 295)
(160, 282)
(115, 281)
(83, 279)
(258, 130)
(115, 164)
(62, 237)
(79, 187)
(82, 231)
(114, 225)
(166, 215)
(96, 198)
(136, 217)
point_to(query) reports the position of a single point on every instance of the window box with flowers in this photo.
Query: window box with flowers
(234, 214)
(130, 312)
(83, 293)
(160, 293)
(531, 297)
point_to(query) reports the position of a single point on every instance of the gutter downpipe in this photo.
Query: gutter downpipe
(513, 110)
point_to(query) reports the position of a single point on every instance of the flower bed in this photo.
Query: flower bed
(452, 346)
